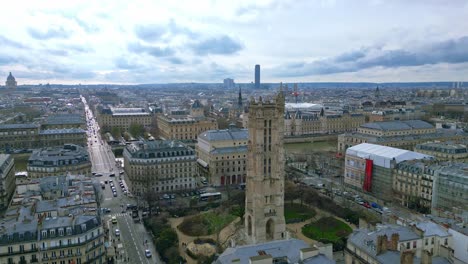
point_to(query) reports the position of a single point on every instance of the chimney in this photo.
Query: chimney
(394, 241)
(384, 244)
(306, 253)
(426, 257)
(417, 230)
(381, 244)
(406, 257)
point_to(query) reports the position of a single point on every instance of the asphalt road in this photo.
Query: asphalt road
(130, 244)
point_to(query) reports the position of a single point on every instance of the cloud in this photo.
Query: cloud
(154, 32)
(49, 34)
(149, 32)
(8, 42)
(7, 59)
(175, 60)
(450, 51)
(123, 63)
(89, 28)
(154, 51)
(223, 45)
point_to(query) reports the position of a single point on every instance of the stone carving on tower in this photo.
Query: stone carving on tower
(264, 198)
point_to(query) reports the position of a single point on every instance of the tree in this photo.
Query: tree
(136, 130)
(116, 133)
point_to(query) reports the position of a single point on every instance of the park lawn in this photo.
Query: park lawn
(307, 147)
(297, 211)
(205, 223)
(328, 228)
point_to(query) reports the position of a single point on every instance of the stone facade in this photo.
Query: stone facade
(222, 156)
(177, 125)
(264, 198)
(159, 166)
(123, 118)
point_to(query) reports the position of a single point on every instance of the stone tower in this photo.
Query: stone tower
(264, 198)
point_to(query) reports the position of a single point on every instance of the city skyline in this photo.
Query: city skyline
(295, 41)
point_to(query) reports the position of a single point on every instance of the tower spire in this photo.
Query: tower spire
(239, 99)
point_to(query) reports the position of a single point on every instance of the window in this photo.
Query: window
(414, 244)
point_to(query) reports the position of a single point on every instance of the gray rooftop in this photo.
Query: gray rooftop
(64, 119)
(67, 155)
(279, 248)
(398, 125)
(18, 126)
(225, 134)
(432, 229)
(62, 131)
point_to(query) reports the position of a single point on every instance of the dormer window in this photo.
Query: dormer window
(60, 231)
(44, 234)
(69, 231)
(83, 227)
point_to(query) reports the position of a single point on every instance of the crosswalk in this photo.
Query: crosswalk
(120, 214)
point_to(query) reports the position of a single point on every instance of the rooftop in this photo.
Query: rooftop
(398, 125)
(383, 155)
(277, 249)
(18, 126)
(225, 134)
(62, 131)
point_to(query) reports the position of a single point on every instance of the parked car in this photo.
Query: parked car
(117, 232)
(147, 253)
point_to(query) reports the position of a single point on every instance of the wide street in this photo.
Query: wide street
(129, 246)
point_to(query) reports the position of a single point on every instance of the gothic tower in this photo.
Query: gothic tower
(264, 198)
(239, 99)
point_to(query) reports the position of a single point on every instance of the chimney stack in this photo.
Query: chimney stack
(394, 241)
(426, 257)
(406, 257)
(381, 244)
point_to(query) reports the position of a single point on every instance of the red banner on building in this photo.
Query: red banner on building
(368, 177)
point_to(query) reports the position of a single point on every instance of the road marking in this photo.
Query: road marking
(133, 238)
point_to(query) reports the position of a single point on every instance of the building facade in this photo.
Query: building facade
(60, 121)
(400, 134)
(29, 136)
(69, 159)
(264, 197)
(46, 224)
(177, 125)
(369, 168)
(445, 151)
(160, 166)
(7, 183)
(300, 123)
(221, 156)
(123, 118)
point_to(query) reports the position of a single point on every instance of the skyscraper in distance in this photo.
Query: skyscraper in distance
(257, 76)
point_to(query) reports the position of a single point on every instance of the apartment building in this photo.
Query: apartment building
(123, 118)
(445, 151)
(430, 185)
(423, 242)
(53, 220)
(68, 159)
(400, 134)
(179, 125)
(160, 166)
(221, 156)
(7, 180)
(28, 136)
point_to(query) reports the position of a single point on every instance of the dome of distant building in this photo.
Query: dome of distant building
(11, 82)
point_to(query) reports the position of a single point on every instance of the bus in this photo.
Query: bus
(210, 196)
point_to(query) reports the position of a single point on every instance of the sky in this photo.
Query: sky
(149, 41)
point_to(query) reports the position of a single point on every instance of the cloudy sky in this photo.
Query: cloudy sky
(152, 41)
